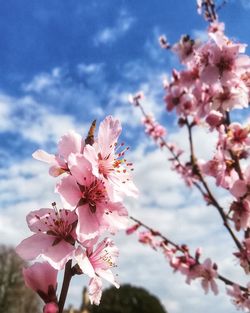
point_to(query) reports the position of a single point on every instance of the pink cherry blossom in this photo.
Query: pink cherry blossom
(208, 272)
(42, 278)
(148, 238)
(240, 298)
(214, 119)
(108, 163)
(241, 186)
(244, 255)
(185, 48)
(153, 128)
(69, 143)
(87, 194)
(241, 214)
(53, 239)
(221, 168)
(238, 138)
(97, 264)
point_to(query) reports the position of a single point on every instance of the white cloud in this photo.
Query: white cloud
(33, 121)
(245, 4)
(92, 68)
(44, 81)
(111, 34)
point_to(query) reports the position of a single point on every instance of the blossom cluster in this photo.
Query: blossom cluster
(180, 259)
(213, 82)
(94, 177)
(215, 78)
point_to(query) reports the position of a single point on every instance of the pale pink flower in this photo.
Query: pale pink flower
(214, 119)
(110, 164)
(148, 238)
(173, 97)
(185, 49)
(220, 168)
(42, 278)
(241, 186)
(231, 96)
(153, 128)
(244, 255)
(87, 194)
(54, 237)
(238, 137)
(241, 214)
(240, 298)
(69, 143)
(97, 264)
(208, 272)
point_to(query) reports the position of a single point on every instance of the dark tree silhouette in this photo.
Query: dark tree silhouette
(128, 299)
(15, 297)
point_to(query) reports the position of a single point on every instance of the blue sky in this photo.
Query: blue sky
(64, 63)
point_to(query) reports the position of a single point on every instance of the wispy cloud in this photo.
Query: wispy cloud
(111, 33)
(33, 122)
(245, 4)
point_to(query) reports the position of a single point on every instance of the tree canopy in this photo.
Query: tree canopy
(128, 299)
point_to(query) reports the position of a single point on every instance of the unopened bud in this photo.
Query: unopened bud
(50, 307)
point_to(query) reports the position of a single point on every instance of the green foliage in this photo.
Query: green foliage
(128, 299)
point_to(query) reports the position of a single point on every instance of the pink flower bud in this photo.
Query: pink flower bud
(42, 278)
(50, 307)
(132, 229)
(214, 118)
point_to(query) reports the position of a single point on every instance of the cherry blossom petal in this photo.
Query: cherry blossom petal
(80, 168)
(69, 192)
(43, 156)
(40, 276)
(108, 276)
(33, 246)
(239, 188)
(90, 154)
(88, 226)
(35, 220)
(95, 290)
(84, 262)
(70, 143)
(59, 254)
(109, 131)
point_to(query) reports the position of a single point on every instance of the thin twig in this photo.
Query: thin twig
(206, 187)
(179, 248)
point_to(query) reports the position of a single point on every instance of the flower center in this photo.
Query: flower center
(93, 194)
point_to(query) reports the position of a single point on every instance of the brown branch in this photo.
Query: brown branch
(66, 281)
(181, 249)
(208, 193)
(234, 157)
(206, 187)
